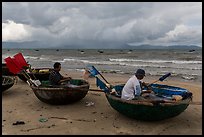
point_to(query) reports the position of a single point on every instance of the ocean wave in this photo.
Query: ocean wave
(31, 57)
(61, 61)
(71, 59)
(141, 65)
(159, 74)
(123, 62)
(129, 64)
(155, 61)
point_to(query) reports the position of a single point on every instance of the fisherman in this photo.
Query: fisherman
(55, 77)
(133, 87)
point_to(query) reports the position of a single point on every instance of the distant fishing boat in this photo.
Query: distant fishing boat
(100, 51)
(82, 52)
(191, 50)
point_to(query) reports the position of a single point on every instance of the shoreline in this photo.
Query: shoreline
(20, 103)
(196, 79)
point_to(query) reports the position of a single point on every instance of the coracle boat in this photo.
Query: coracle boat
(74, 91)
(5, 70)
(159, 108)
(7, 82)
(37, 73)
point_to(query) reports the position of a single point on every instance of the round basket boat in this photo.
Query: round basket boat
(63, 94)
(38, 73)
(151, 110)
(5, 70)
(7, 82)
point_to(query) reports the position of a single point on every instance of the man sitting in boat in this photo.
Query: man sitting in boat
(55, 77)
(133, 87)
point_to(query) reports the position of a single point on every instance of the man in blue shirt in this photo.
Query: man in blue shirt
(55, 77)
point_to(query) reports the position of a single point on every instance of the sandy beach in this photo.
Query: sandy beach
(19, 103)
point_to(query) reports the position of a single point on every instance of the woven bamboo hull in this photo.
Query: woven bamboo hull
(147, 111)
(5, 70)
(7, 82)
(40, 76)
(61, 96)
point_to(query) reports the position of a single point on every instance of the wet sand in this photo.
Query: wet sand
(19, 103)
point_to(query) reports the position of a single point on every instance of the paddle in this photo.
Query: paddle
(93, 71)
(97, 72)
(161, 78)
(13, 66)
(21, 60)
(23, 64)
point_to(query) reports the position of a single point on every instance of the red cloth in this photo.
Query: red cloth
(20, 60)
(12, 65)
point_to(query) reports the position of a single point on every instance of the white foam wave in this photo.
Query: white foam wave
(62, 61)
(31, 57)
(126, 62)
(156, 61)
(129, 64)
(71, 59)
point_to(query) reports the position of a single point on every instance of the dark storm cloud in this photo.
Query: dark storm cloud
(93, 23)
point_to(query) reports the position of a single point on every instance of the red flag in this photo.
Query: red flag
(15, 61)
(13, 67)
(20, 60)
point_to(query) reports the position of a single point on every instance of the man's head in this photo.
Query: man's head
(140, 73)
(57, 66)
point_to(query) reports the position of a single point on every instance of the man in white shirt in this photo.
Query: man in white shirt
(133, 87)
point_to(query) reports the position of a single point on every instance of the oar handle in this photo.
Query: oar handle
(96, 90)
(152, 83)
(103, 78)
(101, 75)
(161, 78)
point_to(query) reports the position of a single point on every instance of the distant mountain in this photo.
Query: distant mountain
(40, 45)
(22, 45)
(166, 47)
(184, 47)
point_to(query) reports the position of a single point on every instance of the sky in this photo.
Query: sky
(101, 24)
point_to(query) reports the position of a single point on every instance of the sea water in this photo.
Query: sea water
(180, 63)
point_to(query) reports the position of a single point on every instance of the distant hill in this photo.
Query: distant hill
(165, 47)
(22, 45)
(184, 47)
(40, 45)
